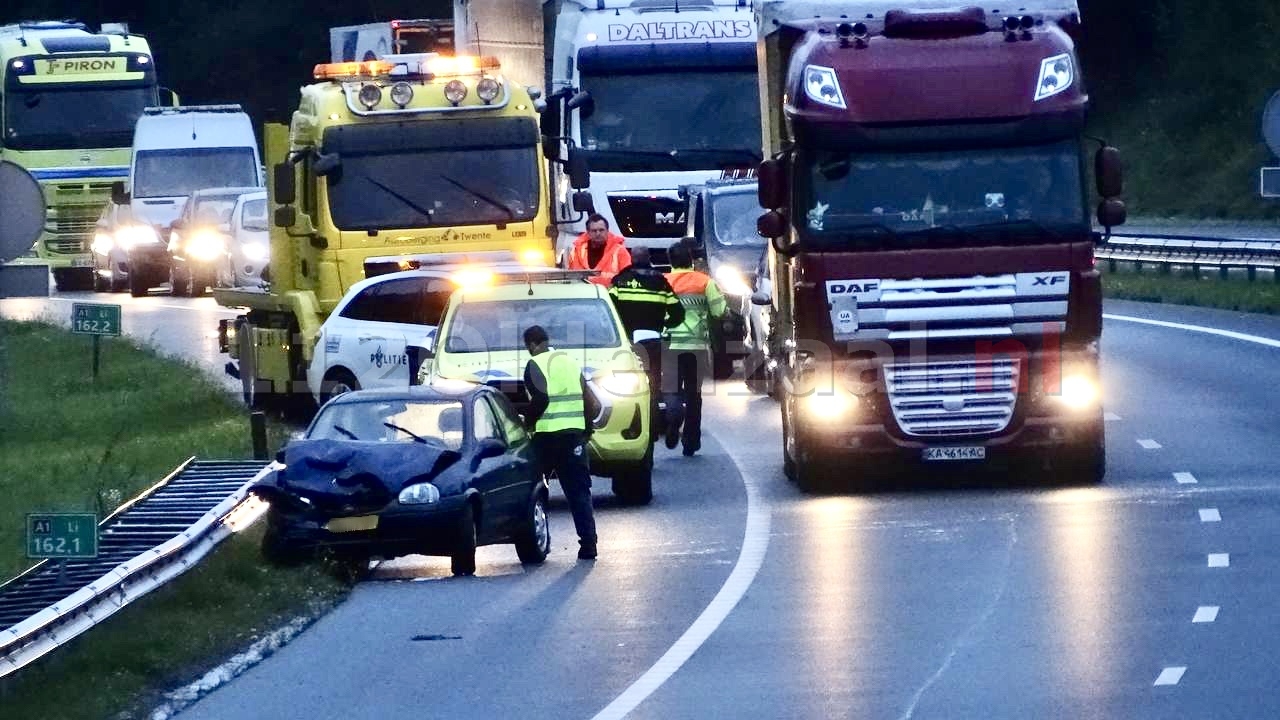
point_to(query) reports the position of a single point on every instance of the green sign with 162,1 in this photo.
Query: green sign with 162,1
(95, 319)
(62, 535)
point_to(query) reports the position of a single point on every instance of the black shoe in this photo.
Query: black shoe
(689, 450)
(587, 551)
(672, 436)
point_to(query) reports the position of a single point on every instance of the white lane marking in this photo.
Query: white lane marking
(1197, 328)
(1150, 444)
(755, 542)
(1210, 515)
(1111, 417)
(1170, 676)
(1205, 614)
(1184, 478)
(1217, 560)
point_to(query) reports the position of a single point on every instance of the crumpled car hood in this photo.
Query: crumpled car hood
(341, 477)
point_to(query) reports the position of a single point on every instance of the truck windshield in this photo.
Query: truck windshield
(495, 326)
(182, 171)
(942, 196)
(400, 189)
(663, 121)
(733, 219)
(73, 118)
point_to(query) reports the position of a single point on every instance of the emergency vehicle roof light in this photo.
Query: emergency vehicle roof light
(352, 70)
(449, 66)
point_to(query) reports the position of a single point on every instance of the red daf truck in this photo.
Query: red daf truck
(926, 188)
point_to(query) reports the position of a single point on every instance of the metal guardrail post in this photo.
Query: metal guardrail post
(258, 429)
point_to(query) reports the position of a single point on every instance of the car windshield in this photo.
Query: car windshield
(391, 421)
(901, 197)
(499, 325)
(733, 219)
(182, 171)
(663, 121)
(75, 117)
(254, 216)
(213, 209)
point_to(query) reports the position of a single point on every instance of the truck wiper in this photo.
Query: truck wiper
(1025, 224)
(417, 208)
(671, 155)
(472, 191)
(967, 234)
(410, 433)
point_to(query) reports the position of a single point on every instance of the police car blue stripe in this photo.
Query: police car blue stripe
(64, 173)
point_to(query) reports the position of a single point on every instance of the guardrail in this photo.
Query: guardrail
(145, 543)
(1195, 252)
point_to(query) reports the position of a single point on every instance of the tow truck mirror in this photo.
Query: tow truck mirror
(583, 103)
(771, 186)
(285, 216)
(579, 174)
(761, 297)
(1109, 172)
(1111, 212)
(118, 194)
(286, 192)
(582, 202)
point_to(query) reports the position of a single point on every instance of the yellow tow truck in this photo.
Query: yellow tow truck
(391, 164)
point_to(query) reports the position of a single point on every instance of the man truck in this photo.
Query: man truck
(387, 165)
(70, 99)
(935, 296)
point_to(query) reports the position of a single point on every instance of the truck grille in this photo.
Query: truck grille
(645, 216)
(953, 398)
(68, 231)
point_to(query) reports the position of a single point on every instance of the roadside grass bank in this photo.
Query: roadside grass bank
(70, 443)
(1259, 296)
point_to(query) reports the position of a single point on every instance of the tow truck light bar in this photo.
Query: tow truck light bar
(438, 66)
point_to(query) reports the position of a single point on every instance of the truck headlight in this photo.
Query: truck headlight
(1079, 391)
(420, 494)
(623, 384)
(455, 91)
(830, 406)
(732, 281)
(132, 235)
(1056, 75)
(487, 90)
(255, 252)
(822, 86)
(205, 245)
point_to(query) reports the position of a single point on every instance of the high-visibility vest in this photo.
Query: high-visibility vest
(565, 409)
(612, 261)
(701, 298)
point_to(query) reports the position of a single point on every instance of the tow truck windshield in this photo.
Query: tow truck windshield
(663, 121)
(941, 197)
(57, 118)
(401, 189)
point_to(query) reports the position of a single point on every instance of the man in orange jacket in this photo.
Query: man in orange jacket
(600, 250)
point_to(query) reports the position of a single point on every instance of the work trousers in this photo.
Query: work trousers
(684, 395)
(653, 369)
(564, 453)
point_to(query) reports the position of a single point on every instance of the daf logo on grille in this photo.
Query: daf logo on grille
(953, 404)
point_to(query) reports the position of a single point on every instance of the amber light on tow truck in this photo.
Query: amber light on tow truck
(353, 70)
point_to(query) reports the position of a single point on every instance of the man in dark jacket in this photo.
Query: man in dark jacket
(645, 301)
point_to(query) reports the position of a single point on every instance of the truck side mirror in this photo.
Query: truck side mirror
(169, 98)
(771, 186)
(282, 180)
(583, 103)
(1111, 212)
(1109, 172)
(551, 126)
(118, 194)
(579, 174)
(582, 202)
(761, 297)
(772, 224)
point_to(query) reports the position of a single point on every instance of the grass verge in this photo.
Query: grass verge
(75, 444)
(1259, 296)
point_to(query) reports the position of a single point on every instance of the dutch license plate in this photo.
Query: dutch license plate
(968, 452)
(352, 524)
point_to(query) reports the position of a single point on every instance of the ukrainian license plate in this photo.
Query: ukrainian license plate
(82, 262)
(967, 452)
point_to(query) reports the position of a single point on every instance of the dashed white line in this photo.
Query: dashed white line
(1170, 676)
(1184, 478)
(1219, 560)
(1210, 515)
(1111, 417)
(1205, 614)
(1150, 444)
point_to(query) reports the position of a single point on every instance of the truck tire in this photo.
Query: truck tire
(463, 560)
(100, 284)
(803, 463)
(180, 281)
(633, 484)
(534, 543)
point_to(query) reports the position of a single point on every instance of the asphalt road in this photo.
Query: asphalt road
(734, 595)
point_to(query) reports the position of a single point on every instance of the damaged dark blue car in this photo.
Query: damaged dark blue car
(419, 470)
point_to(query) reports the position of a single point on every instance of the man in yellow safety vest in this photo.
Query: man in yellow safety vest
(690, 347)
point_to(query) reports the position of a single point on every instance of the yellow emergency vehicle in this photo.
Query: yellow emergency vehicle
(390, 164)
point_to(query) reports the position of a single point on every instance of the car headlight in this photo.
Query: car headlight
(132, 235)
(102, 243)
(420, 494)
(822, 86)
(255, 252)
(1056, 75)
(205, 245)
(830, 406)
(732, 281)
(1079, 391)
(623, 384)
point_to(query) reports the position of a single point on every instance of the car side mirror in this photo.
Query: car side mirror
(583, 203)
(772, 224)
(118, 194)
(1109, 172)
(761, 297)
(1111, 212)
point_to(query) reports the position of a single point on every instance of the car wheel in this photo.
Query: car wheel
(535, 543)
(276, 549)
(336, 382)
(178, 280)
(633, 485)
(464, 555)
(138, 286)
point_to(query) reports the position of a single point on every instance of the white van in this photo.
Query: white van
(176, 151)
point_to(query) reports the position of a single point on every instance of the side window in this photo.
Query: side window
(362, 306)
(510, 423)
(397, 301)
(483, 421)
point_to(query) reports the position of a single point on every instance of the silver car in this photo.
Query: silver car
(249, 248)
